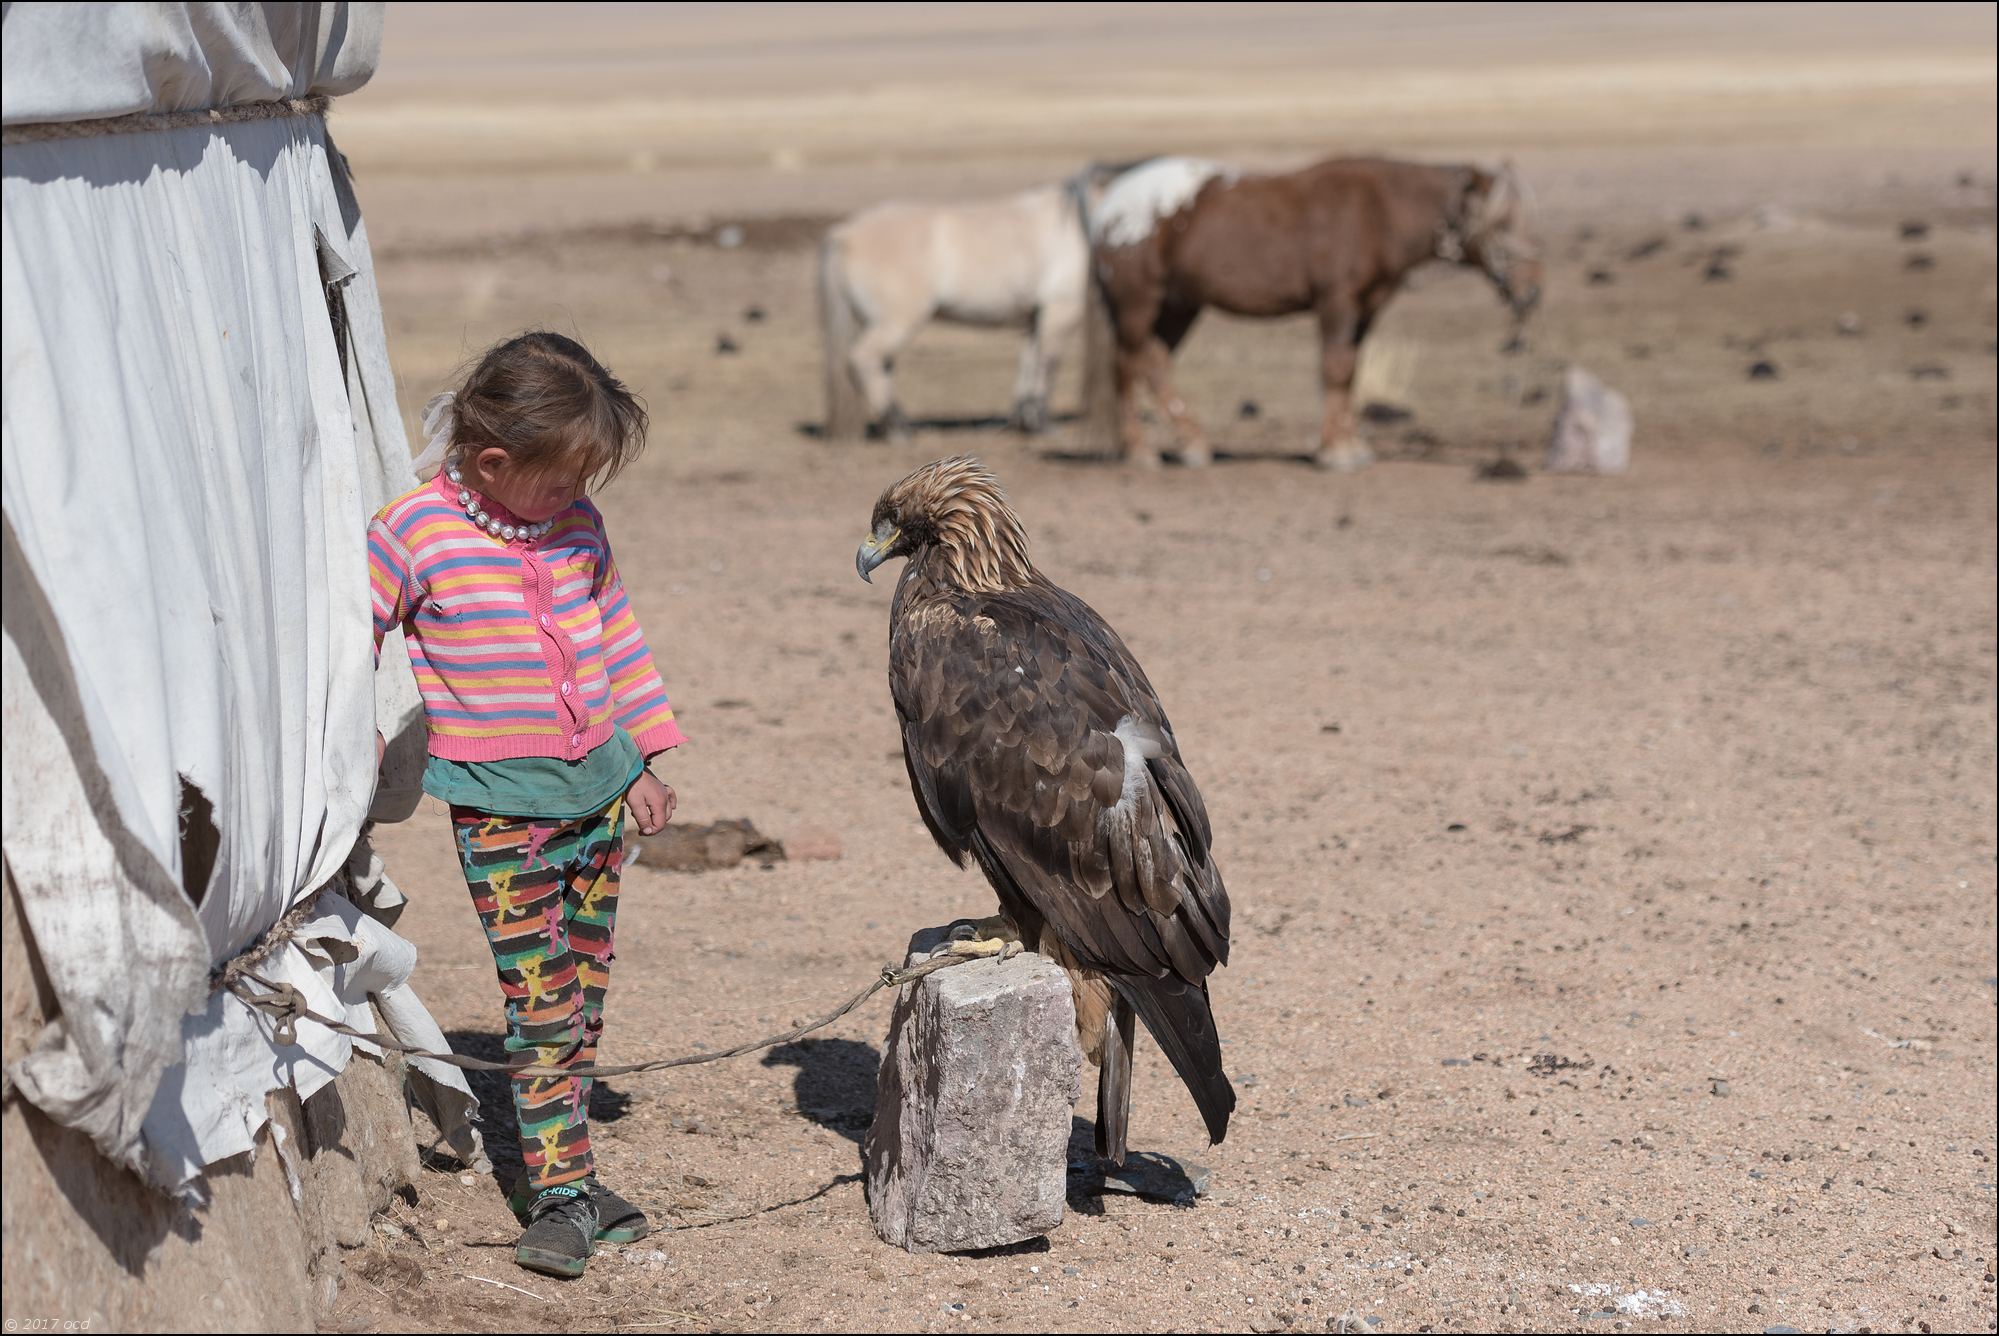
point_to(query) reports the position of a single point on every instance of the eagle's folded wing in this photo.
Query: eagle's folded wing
(1032, 741)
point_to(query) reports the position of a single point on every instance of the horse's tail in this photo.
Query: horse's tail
(1100, 407)
(846, 409)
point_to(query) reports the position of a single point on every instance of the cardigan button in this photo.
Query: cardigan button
(568, 687)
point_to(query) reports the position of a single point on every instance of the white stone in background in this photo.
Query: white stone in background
(979, 1079)
(1593, 429)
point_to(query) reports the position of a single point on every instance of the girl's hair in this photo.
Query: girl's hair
(552, 407)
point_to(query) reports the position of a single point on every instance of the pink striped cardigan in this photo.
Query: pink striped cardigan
(521, 648)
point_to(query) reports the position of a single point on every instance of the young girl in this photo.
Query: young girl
(543, 708)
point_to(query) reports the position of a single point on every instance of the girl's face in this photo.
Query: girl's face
(532, 497)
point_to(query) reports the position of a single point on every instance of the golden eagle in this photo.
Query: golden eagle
(1037, 748)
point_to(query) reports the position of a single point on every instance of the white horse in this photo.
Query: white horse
(1018, 260)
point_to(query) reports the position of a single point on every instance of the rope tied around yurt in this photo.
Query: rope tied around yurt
(140, 122)
(229, 971)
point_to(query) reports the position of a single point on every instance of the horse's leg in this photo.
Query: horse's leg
(1171, 328)
(1135, 314)
(1030, 387)
(1340, 447)
(1130, 427)
(872, 358)
(1056, 326)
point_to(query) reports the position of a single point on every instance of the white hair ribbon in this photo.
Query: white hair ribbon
(440, 423)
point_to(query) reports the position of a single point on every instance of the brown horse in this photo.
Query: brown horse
(1173, 235)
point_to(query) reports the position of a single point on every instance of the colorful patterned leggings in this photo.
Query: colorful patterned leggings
(547, 895)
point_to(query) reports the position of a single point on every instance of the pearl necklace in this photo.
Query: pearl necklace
(493, 524)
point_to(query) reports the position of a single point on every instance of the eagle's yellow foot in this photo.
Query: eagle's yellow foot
(995, 936)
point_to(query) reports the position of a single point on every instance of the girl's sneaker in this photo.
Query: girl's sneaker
(561, 1232)
(618, 1221)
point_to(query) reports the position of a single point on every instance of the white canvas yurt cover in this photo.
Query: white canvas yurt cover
(199, 418)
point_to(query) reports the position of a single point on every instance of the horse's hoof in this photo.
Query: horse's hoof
(1198, 458)
(1030, 417)
(892, 427)
(1344, 458)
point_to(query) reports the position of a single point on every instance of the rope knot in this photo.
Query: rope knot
(281, 1002)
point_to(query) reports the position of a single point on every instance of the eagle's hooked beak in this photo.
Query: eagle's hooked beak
(874, 551)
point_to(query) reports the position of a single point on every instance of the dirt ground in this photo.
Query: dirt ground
(1613, 858)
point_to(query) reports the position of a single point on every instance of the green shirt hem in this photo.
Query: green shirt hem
(545, 787)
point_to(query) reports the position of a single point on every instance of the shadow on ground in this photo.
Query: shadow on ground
(979, 422)
(1152, 1175)
(835, 1082)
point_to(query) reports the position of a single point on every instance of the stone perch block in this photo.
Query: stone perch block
(979, 1077)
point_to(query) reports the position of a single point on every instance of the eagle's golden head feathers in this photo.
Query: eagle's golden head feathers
(952, 508)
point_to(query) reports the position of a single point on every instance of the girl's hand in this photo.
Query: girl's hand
(651, 803)
(381, 746)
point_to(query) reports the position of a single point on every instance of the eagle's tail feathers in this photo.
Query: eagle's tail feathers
(1177, 1014)
(1114, 1083)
